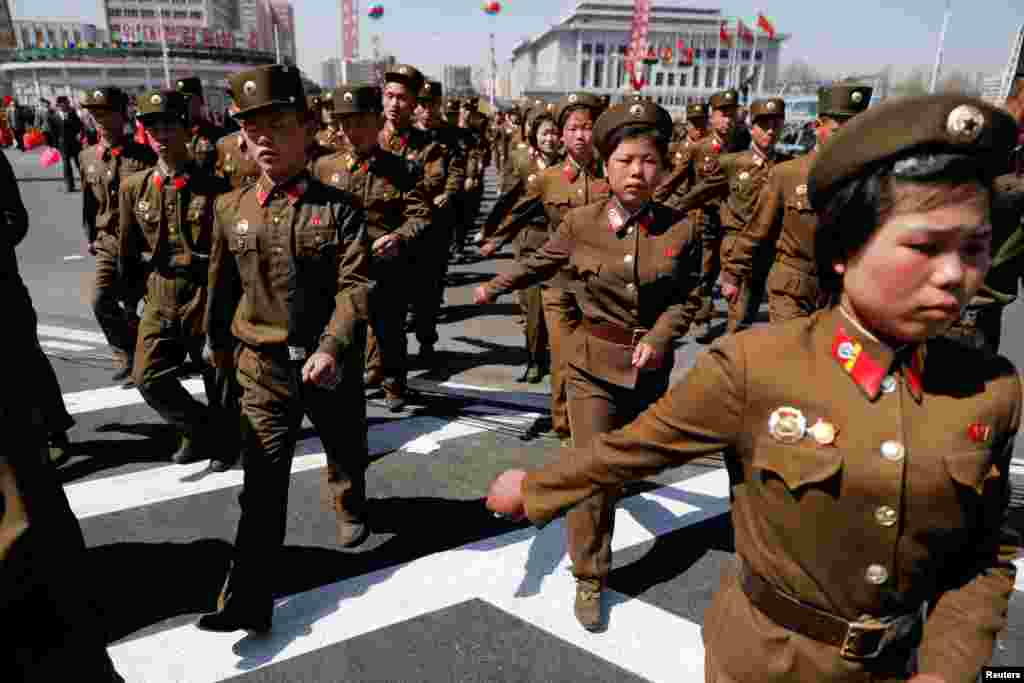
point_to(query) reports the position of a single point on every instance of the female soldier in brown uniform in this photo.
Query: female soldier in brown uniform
(639, 266)
(869, 456)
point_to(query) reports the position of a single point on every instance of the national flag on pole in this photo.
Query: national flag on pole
(743, 32)
(723, 35)
(765, 25)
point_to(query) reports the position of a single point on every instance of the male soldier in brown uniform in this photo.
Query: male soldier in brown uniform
(104, 166)
(432, 255)
(747, 172)
(202, 144)
(329, 135)
(870, 484)
(166, 224)
(397, 213)
(699, 186)
(289, 281)
(233, 163)
(477, 160)
(781, 228)
(695, 130)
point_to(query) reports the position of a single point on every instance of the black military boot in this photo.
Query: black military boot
(240, 607)
(187, 451)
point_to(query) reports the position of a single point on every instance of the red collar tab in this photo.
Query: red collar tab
(570, 172)
(915, 372)
(292, 189)
(180, 182)
(864, 370)
(103, 149)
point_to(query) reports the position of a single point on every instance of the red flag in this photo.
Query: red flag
(743, 32)
(766, 26)
(254, 41)
(723, 35)
(681, 45)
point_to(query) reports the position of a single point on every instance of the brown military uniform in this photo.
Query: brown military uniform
(681, 150)
(395, 202)
(204, 134)
(636, 284)
(233, 163)
(165, 229)
(104, 167)
(289, 277)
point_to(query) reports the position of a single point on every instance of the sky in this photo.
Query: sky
(860, 36)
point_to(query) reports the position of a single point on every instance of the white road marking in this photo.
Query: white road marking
(641, 638)
(121, 492)
(91, 400)
(1018, 584)
(71, 334)
(63, 346)
(74, 257)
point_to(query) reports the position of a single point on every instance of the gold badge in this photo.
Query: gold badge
(181, 84)
(249, 88)
(336, 179)
(787, 425)
(637, 110)
(98, 94)
(530, 178)
(801, 189)
(965, 123)
(728, 96)
(143, 205)
(744, 175)
(572, 98)
(823, 433)
(770, 106)
(348, 97)
(857, 97)
(403, 70)
(156, 99)
(242, 227)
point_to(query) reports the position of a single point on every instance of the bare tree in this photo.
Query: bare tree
(800, 72)
(914, 83)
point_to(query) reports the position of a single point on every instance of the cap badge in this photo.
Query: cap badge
(847, 351)
(348, 97)
(572, 98)
(728, 97)
(143, 205)
(787, 425)
(965, 123)
(403, 70)
(181, 84)
(98, 94)
(156, 99)
(637, 110)
(770, 106)
(801, 189)
(979, 433)
(531, 177)
(242, 227)
(857, 97)
(249, 88)
(823, 433)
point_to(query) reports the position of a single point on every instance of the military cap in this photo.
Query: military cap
(356, 98)
(452, 105)
(606, 101)
(843, 100)
(430, 92)
(773, 106)
(629, 113)
(407, 75)
(637, 97)
(696, 110)
(576, 99)
(113, 99)
(313, 102)
(189, 86)
(726, 98)
(267, 87)
(161, 104)
(471, 103)
(918, 135)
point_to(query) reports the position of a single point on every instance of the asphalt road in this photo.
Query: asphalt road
(442, 591)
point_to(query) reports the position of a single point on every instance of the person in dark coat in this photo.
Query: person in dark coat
(67, 128)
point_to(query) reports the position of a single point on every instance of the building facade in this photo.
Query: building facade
(330, 73)
(586, 50)
(457, 79)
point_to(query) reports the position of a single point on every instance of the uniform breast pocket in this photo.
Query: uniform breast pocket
(148, 219)
(972, 470)
(797, 468)
(245, 249)
(799, 205)
(319, 244)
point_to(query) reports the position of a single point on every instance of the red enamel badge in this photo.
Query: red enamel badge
(180, 182)
(979, 433)
(116, 152)
(158, 180)
(670, 252)
(316, 220)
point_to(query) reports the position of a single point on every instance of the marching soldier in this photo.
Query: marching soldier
(695, 129)
(166, 225)
(329, 136)
(746, 173)
(782, 227)
(872, 544)
(477, 160)
(433, 259)
(700, 186)
(104, 167)
(233, 163)
(300, 335)
(202, 144)
(398, 214)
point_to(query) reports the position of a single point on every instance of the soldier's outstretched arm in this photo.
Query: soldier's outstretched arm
(760, 234)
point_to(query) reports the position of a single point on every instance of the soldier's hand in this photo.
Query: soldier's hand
(505, 496)
(730, 292)
(488, 248)
(386, 246)
(482, 295)
(321, 369)
(441, 200)
(91, 246)
(646, 356)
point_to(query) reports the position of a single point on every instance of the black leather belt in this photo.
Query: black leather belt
(856, 640)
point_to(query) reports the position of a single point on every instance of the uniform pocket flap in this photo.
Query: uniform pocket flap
(798, 466)
(242, 243)
(971, 468)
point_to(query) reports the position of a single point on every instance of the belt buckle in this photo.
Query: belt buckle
(969, 316)
(296, 353)
(856, 635)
